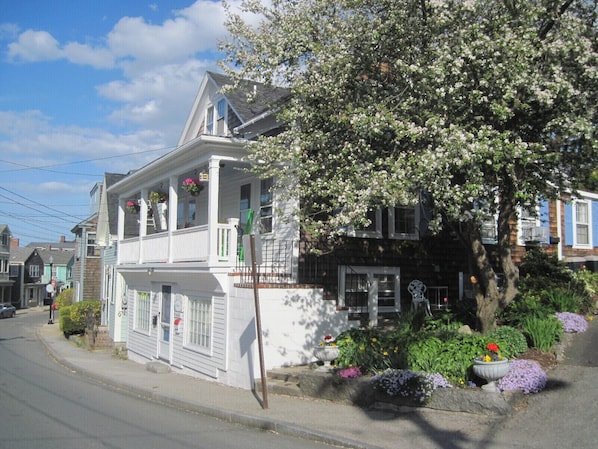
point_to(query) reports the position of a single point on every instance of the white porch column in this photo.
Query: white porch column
(143, 210)
(214, 192)
(121, 224)
(173, 202)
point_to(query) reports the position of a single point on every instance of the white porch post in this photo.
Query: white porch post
(373, 300)
(121, 224)
(173, 201)
(143, 210)
(214, 192)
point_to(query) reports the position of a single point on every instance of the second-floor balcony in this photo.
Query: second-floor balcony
(183, 245)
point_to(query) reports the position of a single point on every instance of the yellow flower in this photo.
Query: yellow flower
(591, 318)
(362, 348)
(385, 353)
(374, 339)
(487, 358)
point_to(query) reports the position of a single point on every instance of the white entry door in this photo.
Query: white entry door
(165, 336)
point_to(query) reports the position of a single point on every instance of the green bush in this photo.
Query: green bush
(511, 341)
(452, 358)
(74, 319)
(539, 271)
(64, 298)
(369, 349)
(543, 333)
(589, 280)
(528, 304)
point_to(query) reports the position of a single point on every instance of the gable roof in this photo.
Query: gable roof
(20, 254)
(266, 97)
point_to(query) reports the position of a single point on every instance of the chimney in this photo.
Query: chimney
(14, 242)
(62, 239)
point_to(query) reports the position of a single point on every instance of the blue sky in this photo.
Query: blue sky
(89, 87)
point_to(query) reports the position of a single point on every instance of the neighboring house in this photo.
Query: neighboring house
(187, 280)
(5, 282)
(30, 271)
(21, 296)
(62, 245)
(113, 293)
(59, 262)
(87, 264)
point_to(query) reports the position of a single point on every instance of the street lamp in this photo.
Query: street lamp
(51, 291)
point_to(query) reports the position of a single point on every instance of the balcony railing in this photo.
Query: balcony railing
(182, 245)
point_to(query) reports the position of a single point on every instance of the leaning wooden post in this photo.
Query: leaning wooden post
(258, 321)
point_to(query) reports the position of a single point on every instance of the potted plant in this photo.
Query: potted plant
(157, 197)
(491, 366)
(193, 186)
(326, 352)
(133, 206)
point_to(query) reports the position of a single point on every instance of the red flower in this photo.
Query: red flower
(492, 347)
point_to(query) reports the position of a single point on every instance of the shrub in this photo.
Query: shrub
(572, 322)
(525, 375)
(543, 333)
(589, 280)
(74, 319)
(528, 304)
(64, 298)
(451, 358)
(539, 271)
(66, 323)
(370, 349)
(511, 341)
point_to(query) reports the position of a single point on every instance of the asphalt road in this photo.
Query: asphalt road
(42, 405)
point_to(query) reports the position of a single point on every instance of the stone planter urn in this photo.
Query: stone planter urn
(491, 372)
(326, 354)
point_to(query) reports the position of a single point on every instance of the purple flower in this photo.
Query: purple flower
(572, 322)
(525, 375)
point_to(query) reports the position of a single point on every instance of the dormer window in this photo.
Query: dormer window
(210, 120)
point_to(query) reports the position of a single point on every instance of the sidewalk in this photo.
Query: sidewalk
(319, 420)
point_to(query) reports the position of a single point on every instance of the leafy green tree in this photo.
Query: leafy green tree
(488, 105)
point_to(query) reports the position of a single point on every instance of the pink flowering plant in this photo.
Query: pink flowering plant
(572, 322)
(524, 375)
(192, 185)
(132, 206)
(349, 373)
(412, 385)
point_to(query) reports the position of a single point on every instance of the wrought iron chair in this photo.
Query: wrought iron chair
(418, 296)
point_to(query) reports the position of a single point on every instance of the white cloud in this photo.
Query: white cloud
(34, 46)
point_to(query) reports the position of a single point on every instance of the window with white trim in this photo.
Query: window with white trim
(220, 116)
(266, 205)
(199, 323)
(93, 250)
(210, 120)
(373, 230)
(143, 311)
(34, 271)
(581, 223)
(403, 222)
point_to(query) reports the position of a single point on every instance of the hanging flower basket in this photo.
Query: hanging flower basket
(132, 207)
(193, 186)
(157, 197)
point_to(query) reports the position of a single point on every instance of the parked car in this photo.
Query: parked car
(7, 311)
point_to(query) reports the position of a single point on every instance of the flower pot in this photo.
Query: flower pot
(491, 372)
(326, 354)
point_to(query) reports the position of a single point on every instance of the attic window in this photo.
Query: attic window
(210, 120)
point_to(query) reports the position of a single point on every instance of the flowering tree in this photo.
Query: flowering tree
(488, 105)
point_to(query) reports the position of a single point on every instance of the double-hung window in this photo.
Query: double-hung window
(266, 205)
(93, 250)
(142, 311)
(403, 222)
(581, 222)
(199, 323)
(373, 230)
